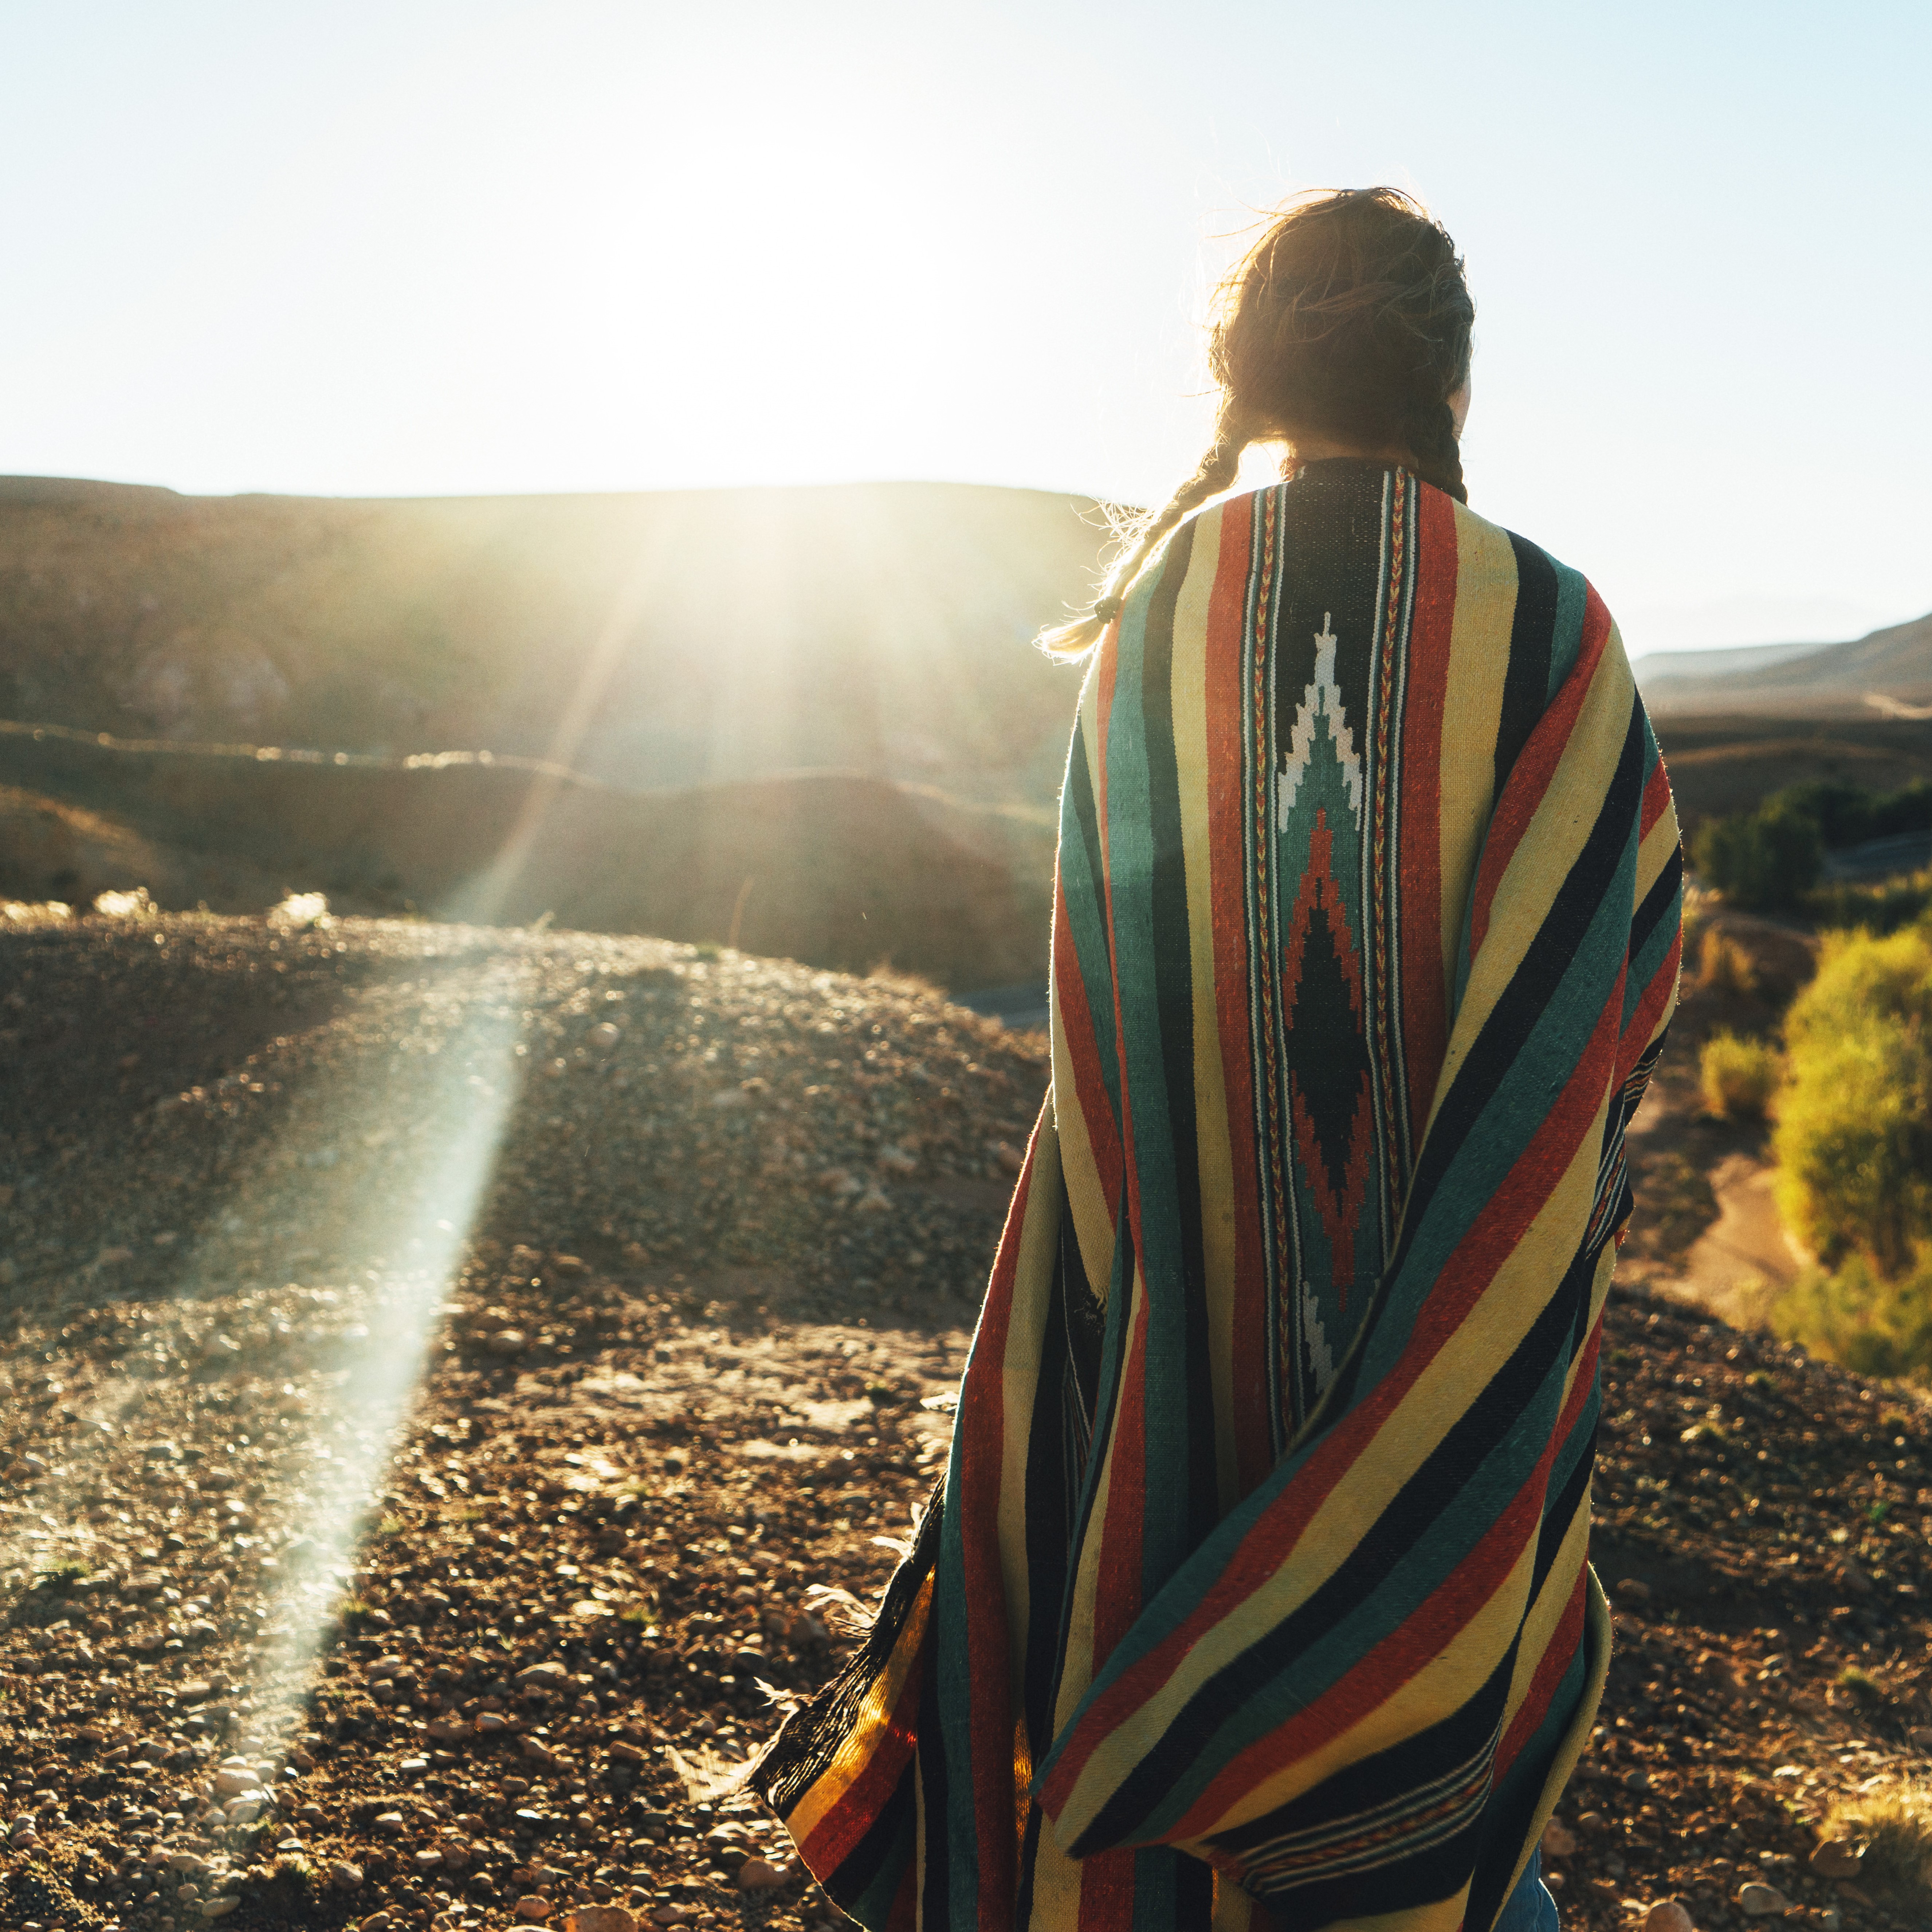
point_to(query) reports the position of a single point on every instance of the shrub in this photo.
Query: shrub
(1763, 861)
(1855, 1120)
(1879, 906)
(1737, 1077)
(1723, 966)
(1855, 1317)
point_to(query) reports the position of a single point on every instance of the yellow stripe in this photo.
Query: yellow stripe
(1092, 1219)
(1485, 589)
(1216, 1157)
(1488, 1334)
(872, 1716)
(1596, 1669)
(1545, 1612)
(1549, 849)
(1056, 1887)
(1093, 1212)
(1442, 1687)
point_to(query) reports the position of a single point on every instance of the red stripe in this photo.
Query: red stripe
(905, 1914)
(1107, 1892)
(1090, 1090)
(1425, 992)
(1470, 1271)
(1226, 647)
(1118, 1586)
(1536, 765)
(1643, 1023)
(838, 1834)
(1550, 1670)
(1423, 1635)
(982, 1428)
(1656, 796)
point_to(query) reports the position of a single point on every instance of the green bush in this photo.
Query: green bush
(1855, 1316)
(1737, 1077)
(1882, 905)
(1762, 861)
(1854, 1138)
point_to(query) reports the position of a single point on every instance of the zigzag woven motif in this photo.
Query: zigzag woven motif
(1257, 1586)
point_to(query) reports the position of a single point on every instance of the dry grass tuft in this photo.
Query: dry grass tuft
(1723, 966)
(896, 979)
(1894, 1826)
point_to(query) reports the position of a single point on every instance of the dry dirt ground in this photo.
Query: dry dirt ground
(450, 1377)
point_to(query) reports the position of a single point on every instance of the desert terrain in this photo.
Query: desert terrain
(460, 1380)
(471, 1349)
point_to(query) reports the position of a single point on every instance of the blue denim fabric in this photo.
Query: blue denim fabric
(1530, 1907)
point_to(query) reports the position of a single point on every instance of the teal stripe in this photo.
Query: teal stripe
(1514, 1794)
(1425, 1568)
(873, 1908)
(1542, 1071)
(1133, 837)
(1650, 957)
(1566, 636)
(1085, 896)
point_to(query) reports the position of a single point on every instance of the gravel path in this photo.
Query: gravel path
(454, 1383)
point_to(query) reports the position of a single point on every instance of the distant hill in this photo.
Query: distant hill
(660, 639)
(1887, 674)
(833, 868)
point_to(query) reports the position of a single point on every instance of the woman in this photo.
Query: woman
(1255, 1591)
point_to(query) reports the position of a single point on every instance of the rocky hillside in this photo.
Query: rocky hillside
(831, 868)
(1887, 674)
(453, 1379)
(670, 638)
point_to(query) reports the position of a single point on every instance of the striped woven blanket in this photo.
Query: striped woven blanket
(1256, 1589)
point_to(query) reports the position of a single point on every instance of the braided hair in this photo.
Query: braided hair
(1349, 319)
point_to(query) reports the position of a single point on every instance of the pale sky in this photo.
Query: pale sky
(414, 247)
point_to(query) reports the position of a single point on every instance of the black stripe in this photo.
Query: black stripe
(1049, 1509)
(1526, 679)
(1658, 902)
(1430, 1495)
(1438, 1869)
(936, 1882)
(891, 1837)
(1492, 1061)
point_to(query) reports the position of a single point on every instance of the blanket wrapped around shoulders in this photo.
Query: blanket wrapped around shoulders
(1256, 1590)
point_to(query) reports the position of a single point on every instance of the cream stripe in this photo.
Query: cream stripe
(1539, 1627)
(1654, 853)
(1550, 844)
(1437, 1690)
(1486, 1335)
(1056, 1886)
(1019, 1376)
(1216, 1159)
(856, 1749)
(1597, 1667)
(1486, 589)
(1093, 1219)
(1076, 1662)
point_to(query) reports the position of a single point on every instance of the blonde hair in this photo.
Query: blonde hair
(1350, 318)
